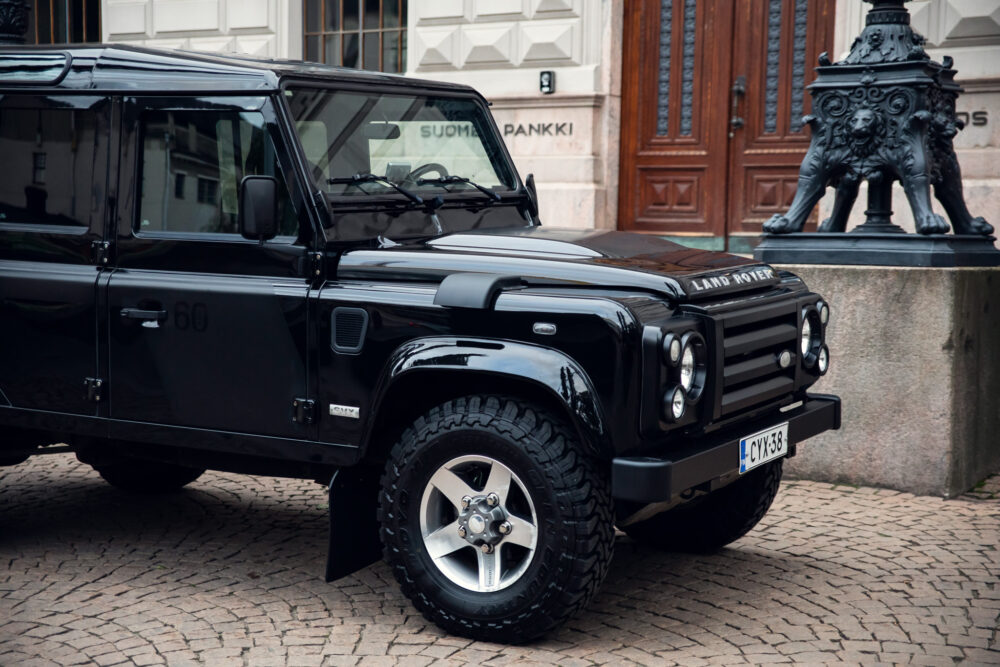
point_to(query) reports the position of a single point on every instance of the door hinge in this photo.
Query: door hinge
(95, 389)
(101, 252)
(315, 264)
(303, 411)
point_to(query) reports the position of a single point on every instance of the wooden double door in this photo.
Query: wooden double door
(713, 95)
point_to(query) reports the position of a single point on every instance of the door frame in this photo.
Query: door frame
(714, 155)
(49, 256)
(281, 264)
(685, 152)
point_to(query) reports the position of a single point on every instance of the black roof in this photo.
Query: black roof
(114, 67)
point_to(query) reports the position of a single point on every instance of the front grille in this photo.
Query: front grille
(753, 339)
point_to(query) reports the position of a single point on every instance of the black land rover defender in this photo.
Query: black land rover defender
(297, 270)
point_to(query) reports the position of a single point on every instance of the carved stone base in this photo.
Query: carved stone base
(914, 356)
(936, 250)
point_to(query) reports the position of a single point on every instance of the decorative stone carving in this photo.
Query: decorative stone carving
(884, 113)
(13, 21)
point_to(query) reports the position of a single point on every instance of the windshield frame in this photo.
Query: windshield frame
(467, 196)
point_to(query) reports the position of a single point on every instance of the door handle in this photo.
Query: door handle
(150, 318)
(739, 90)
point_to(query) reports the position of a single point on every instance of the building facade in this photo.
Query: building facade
(680, 118)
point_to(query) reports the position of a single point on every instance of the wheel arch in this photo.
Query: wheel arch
(442, 368)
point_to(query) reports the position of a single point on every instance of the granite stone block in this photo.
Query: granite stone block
(915, 358)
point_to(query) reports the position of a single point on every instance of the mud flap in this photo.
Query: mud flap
(354, 539)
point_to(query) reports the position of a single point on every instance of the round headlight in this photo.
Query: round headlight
(805, 342)
(823, 362)
(824, 313)
(672, 348)
(687, 368)
(677, 404)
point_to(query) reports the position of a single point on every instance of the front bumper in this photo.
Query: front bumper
(714, 460)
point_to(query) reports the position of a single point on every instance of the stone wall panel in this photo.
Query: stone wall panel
(177, 15)
(488, 46)
(125, 18)
(269, 28)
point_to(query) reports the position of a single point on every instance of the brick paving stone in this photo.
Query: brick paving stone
(229, 572)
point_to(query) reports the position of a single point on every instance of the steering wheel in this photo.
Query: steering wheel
(419, 172)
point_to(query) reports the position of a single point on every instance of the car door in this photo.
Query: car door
(52, 206)
(207, 330)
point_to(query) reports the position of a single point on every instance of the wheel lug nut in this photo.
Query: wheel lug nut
(505, 528)
(492, 500)
(487, 548)
(465, 502)
(461, 531)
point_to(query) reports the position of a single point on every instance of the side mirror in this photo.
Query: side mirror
(258, 216)
(529, 185)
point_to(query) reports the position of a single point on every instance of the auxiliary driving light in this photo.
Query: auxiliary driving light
(824, 313)
(672, 348)
(823, 361)
(676, 403)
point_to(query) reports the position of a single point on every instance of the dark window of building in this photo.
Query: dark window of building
(38, 190)
(207, 190)
(64, 21)
(363, 34)
(216, 149)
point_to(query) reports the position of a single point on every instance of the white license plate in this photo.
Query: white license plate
(763, 446)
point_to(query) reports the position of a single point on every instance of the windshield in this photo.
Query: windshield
(360, 144)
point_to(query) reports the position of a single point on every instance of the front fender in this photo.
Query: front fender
(550, 369)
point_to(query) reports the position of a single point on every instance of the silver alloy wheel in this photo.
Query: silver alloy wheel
(481, 539)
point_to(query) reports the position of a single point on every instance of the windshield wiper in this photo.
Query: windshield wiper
(430, 207)
(358, 179)
(447, 180)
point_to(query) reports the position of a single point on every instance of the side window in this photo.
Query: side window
(192, 164)
(48, 156)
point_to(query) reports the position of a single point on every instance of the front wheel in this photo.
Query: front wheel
(495, 522)
(713, 521)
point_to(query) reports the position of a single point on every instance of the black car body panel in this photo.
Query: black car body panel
(543, 256)
(317, 346)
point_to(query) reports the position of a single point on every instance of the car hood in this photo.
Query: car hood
(546, 256)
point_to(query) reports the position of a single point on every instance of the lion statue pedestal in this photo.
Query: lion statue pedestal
(885, 113)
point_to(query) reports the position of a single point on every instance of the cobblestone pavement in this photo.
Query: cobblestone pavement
(229, 572)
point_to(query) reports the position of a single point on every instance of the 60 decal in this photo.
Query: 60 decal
(193, 317)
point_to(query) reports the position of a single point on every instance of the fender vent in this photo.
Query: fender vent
(347, 329)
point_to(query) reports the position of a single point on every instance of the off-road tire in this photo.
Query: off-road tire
(147, 477)
(572, 500)
(714, 520)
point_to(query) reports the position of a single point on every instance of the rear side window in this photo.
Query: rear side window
(192, 166)
(49, 156)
